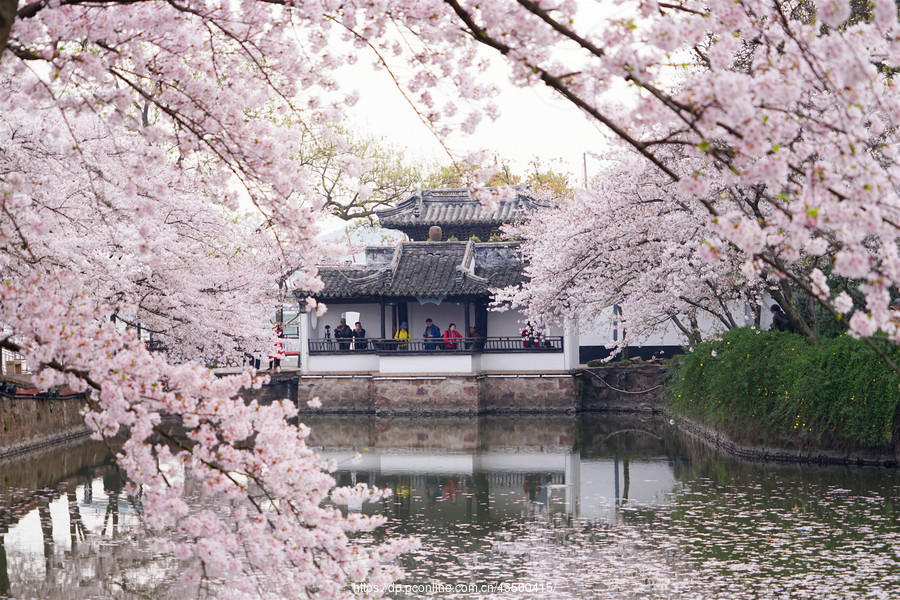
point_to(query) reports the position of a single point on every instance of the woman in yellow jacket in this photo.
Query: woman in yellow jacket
(402, 335)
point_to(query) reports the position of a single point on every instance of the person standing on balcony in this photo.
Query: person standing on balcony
(343, 332)
(528, 335)
(475, 341)
(432, 332)
(359, 336)
(451, 337)
(278, 354)
(402, 337)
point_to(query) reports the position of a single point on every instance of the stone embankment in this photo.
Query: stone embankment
(635, 387)
(823, 454)
(625, 388)
(31, 420)
(440, 394)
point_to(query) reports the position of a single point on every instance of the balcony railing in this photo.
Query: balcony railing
(436, 346)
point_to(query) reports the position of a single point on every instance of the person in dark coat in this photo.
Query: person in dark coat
(475, 341)
(359, 335)
(780, 321)
(343, 332)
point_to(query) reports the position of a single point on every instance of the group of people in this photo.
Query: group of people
(434, 340)
(535, 338)
(450, 338)
(276, 354)
(355, 336)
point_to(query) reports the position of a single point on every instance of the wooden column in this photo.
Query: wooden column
(465, 332)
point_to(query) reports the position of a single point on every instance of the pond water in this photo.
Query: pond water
(593, 506)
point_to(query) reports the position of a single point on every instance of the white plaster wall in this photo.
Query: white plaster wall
(303, 349)
(345, 362)
(524, 362)
(442, 314)
(571, 341)
(521, 462)
(369, 317)
(508, 323)
(428, 364)
(668, 334)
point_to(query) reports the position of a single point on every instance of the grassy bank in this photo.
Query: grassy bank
(774, 388)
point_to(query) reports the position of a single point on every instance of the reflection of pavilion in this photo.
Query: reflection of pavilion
(449, 281)
(559, 481)
(504, 464)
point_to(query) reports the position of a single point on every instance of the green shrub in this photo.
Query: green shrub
(774, 387)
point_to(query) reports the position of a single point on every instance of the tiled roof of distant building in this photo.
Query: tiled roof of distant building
(456, 212)
(413, 269)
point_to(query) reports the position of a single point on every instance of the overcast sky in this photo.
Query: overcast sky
(533, 122)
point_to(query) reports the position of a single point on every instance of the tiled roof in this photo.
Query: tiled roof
(455, 207)
(428, 269)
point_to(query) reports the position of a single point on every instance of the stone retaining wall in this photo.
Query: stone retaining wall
(338, 393)
(439, 394)
(625, 388)
(540, 393)
(28, 422)
(885, 457)
(426, 395)
(630, 388)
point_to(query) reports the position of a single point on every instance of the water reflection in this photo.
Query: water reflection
(68, 531)
(587, 468)
(516, 507)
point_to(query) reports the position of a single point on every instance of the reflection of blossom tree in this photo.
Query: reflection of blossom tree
(4, 566)
(47, 535)
(77, 531)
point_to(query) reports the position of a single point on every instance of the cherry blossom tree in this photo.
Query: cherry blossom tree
(630, 241)
(147, 176)
(135, 133)
(793, 101)
(87, 234)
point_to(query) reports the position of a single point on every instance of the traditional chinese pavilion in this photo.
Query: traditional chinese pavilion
(449, 281)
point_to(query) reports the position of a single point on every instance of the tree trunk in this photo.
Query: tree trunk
(7, 16)
(692, 335)
(784, 297)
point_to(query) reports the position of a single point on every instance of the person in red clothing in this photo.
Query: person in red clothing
(528, 335)
(451, 337)
(277, 355)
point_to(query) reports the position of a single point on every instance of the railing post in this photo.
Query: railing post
(303, 354)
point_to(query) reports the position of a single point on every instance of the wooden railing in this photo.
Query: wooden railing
(435, 346)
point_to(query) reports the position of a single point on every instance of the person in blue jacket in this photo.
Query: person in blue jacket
(432, 332)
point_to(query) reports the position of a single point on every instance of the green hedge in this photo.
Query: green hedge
(774, 387)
